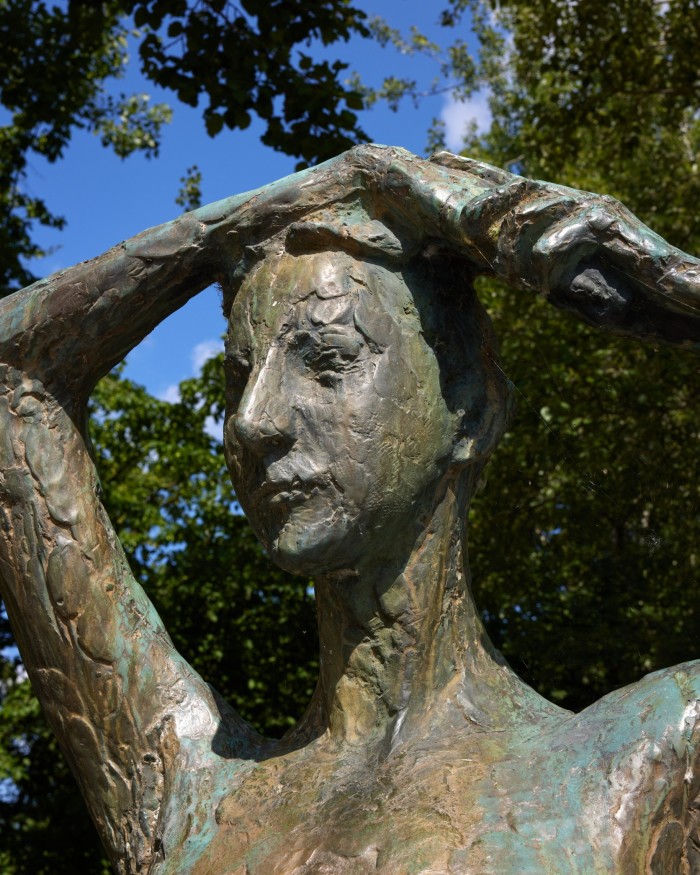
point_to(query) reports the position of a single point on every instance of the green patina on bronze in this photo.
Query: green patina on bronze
(364, 398)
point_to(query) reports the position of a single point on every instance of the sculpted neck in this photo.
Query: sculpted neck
(403, 650)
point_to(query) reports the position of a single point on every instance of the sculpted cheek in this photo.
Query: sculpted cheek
(393, 378)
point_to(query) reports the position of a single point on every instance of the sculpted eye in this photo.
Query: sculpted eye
(328, 352)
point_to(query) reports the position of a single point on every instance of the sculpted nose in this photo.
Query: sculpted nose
(263, 418)
(260, 433)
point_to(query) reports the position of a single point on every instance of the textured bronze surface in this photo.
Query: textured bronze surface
(364, 397)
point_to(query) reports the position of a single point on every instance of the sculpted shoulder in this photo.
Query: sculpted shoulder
(643, 745)
(612, 789)
(661, 711)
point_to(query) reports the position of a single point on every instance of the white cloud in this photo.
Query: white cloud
(199, 354)
(457, 114)
(171, 394)
(203, 351)
(214, 428)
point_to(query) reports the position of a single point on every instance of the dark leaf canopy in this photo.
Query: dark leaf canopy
(256, 59)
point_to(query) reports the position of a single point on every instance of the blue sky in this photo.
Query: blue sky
(105, 199)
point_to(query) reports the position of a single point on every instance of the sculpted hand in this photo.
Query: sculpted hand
(601, 262)
(233, 223)
(386, 183)
(586, 253)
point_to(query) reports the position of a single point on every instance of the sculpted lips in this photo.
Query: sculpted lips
(281, 493)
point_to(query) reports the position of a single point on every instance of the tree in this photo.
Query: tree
(59, 60)
(584, 544)
(52, 76)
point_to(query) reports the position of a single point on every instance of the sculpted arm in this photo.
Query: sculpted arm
(125, 707)
(584, 252)
(129, 712)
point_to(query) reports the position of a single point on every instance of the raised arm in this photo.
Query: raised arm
(585, 253)
(130, 714)
(68, 330)
(127, 710)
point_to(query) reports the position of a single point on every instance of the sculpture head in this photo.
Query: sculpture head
(357, 388)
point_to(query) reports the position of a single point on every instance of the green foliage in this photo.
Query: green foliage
(457, 71)
(189, 196)
(131, 124)
(584, 541)
(584, 544)
(58, 60)
(601, 95)
(247, 59)
(52, 67)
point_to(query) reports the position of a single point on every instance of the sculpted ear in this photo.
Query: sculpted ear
(484, 418)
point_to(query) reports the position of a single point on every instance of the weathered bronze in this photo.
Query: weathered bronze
(364, 398)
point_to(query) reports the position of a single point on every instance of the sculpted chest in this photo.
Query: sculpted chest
(484, 804)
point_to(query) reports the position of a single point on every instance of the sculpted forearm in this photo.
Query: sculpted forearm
(588, 254)
(71, 328)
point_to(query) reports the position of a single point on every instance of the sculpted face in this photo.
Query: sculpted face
(336, 432)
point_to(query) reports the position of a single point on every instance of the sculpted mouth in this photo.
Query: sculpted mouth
(285, 492)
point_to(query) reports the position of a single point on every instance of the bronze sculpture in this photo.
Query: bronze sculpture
(364, 397)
